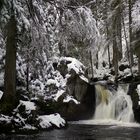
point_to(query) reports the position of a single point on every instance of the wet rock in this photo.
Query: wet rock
(135, 99)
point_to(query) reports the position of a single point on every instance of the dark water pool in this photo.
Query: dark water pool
(82, 132)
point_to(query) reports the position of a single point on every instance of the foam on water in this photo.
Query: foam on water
(110, 122)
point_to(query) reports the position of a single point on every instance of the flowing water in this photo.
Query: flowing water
(113, 120)
(113, 105)
(82, 132)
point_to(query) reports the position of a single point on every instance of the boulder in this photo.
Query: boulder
(75, 72)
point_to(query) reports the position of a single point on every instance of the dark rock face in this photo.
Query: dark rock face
(135, 98)
(62, 68)
(89, 100)
(76, 87)
(80, 89)
(85, 110)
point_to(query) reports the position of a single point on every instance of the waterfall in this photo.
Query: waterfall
(114, 105)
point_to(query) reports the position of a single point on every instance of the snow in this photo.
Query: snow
(70, 98)
(74, 64)
(84, 78)
(52, 82)
(29, 105)
(138, 91)
(58, 94)
(29, 127)
(46, 121)
(7, 119)
(1, 93)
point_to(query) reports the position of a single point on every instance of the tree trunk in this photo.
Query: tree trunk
(27, 77)
(108, 49)
(27, 70)
(139, 65)
(119, 27)
(130, 33)
(127, 46)
(107, 31)
(115, 58)
(9, 97)
(91, 64)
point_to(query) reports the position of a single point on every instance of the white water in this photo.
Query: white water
(113, 105)
(112, 108)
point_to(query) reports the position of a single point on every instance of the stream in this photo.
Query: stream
(113, 120)
(82, 132)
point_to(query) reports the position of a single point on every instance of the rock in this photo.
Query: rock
(135, 99)
(76, 87)
(62, 68)
(47, 121)
(5, 123)
(122, 67)
(25, 114)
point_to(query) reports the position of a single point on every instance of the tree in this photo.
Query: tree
(136, 45)
(130, 33)
(9, 97)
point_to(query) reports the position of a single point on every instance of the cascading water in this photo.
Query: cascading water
(113, 105)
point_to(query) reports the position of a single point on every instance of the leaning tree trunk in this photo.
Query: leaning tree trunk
(9, 97)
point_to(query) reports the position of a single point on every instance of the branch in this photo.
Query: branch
(90, 3)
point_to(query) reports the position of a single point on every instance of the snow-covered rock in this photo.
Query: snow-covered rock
(1, 94)
(28, 105)
(70, 98)
(47, 121)
(5, 123)
(138, 91)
